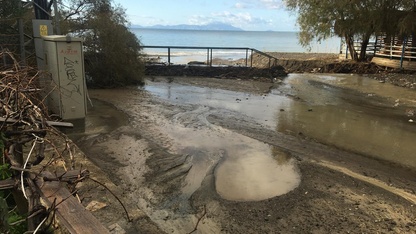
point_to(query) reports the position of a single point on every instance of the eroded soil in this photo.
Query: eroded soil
(168, 158)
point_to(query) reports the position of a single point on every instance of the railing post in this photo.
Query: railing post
(403, 49)
(246, 57)
(251, 59)
(168, 56)
(391, 48)
(207, 56)
(210, 62)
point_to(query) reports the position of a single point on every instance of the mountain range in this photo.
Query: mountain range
(210, 26)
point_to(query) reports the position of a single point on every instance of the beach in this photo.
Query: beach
(165, 159)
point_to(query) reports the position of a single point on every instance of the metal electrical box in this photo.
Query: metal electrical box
(64, 60)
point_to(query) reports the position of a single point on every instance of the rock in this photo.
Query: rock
(116, 229)
(95, 205)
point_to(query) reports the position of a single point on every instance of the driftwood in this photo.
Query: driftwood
(26, 131)
(69, 212)
(7, 184)
(49, 123)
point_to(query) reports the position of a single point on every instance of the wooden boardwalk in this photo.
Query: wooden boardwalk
(395, 63)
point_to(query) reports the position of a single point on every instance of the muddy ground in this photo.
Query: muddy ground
(339, 191)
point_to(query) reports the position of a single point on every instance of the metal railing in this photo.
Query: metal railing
(249, 52)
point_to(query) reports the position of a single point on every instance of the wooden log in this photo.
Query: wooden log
(69, 212)
(50, 123)
(67, 176)
(7, 183)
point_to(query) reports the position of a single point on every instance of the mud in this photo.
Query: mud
(210, 155)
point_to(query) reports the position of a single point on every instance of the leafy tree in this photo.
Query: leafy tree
(112, 52)
(353, 20)
(10, 13)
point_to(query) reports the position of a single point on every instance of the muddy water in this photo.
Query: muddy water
(102, 118)
(349, 111)
(245, 169)
(251, 174)
(354, 113)
(248, 169)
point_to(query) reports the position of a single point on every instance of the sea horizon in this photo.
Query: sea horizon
(226, 30)
(265, 41)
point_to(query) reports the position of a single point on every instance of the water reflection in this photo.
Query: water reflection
(251, 174)
(260, 107)
(348, 121)
(248, 170)
(349, 111)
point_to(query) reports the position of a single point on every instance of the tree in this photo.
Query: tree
(112, 52)
(13, 15)
(352, 20)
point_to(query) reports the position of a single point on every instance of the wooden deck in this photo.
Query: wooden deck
(69, 212)
(394, 63)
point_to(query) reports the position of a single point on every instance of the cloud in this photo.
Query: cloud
(242, 19)
(265, 4)
(240, 5)
(272, 4)
(145, 20)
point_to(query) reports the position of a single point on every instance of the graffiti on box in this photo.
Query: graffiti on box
(73, 85)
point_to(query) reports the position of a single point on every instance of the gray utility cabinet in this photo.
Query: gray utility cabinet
(64, 60)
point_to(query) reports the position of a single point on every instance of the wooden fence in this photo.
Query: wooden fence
(393, 52)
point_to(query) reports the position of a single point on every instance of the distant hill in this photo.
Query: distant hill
(211, 26)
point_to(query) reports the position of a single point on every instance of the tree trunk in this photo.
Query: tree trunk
(350, 44)
(364, 44)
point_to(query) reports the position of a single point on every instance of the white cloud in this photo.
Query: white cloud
(272, 4)
(240, 5)
(268, 4)
(145, 20)
(242, 19)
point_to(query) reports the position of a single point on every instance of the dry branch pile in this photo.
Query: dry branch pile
(29, 146)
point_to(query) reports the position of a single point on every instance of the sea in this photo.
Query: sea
(266, 41)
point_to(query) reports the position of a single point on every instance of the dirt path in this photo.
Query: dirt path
(174, 182)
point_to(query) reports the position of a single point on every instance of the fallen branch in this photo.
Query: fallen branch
(118, 199)
(199, 220)
(7, 184)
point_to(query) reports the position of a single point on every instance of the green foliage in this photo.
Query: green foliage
(4, 167)
(4, 171)
(2, 144)
(10, 12)
(10, 8)
(112, 52)
(10, 221)
(353, 19)
(20, 226)
(4, 213)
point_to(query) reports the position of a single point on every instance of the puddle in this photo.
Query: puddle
(262, 108)
(341, 118)
(250, 174)
(245, 169)
(333, 109)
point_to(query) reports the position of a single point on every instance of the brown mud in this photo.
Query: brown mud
(167, 158)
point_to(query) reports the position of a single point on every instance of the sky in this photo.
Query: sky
(250, 15)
